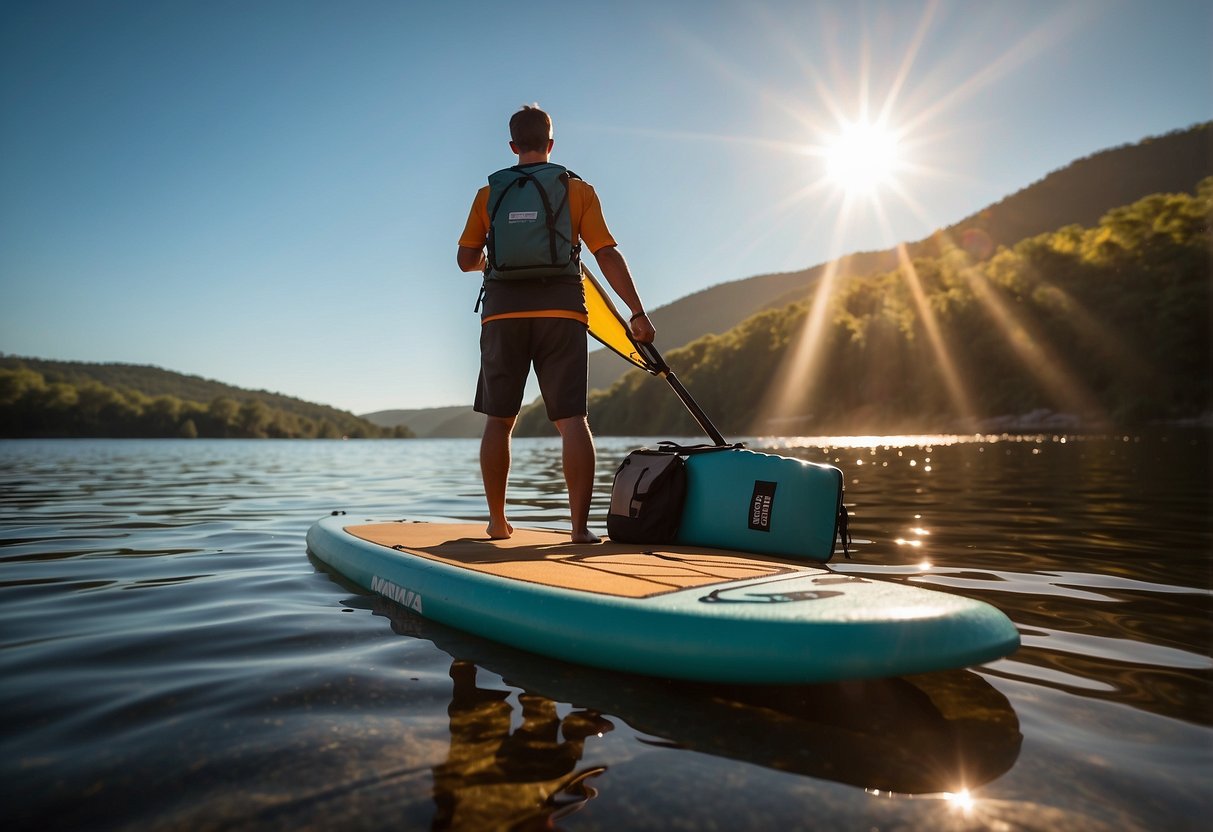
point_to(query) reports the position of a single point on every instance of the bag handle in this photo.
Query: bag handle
(668, 446)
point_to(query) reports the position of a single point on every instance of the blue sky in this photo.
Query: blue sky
(270, 193)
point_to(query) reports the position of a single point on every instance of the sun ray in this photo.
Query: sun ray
(799, 366)
(865, 78)
(930, 324)
(1100, 337)
(1034, 353)
(907, 61)
(1066, 22)
(765, 225)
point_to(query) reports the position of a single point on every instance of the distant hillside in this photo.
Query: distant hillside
(458, 422)
(1097, 327)
(75, 398)
(1081, 193)
(1085, 190)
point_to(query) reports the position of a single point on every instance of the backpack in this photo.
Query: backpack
(530, 230)
(647, 497)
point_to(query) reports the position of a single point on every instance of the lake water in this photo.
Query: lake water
(170, 656)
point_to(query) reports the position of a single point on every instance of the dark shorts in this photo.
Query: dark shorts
(555, 346)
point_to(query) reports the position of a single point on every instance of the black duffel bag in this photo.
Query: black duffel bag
(647, 497)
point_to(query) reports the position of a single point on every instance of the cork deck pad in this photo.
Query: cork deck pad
(547, 557)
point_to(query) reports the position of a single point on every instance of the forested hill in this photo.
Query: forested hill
(74, 398)
(1106, 325)
(1080, 193)
(1085, 190)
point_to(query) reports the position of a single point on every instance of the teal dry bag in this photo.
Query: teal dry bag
(530, 231)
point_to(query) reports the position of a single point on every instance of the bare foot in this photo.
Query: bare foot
(500, 532)
(586, 536)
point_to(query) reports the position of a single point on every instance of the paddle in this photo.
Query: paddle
(612, 331)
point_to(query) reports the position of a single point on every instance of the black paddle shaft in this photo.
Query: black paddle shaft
(661, 368)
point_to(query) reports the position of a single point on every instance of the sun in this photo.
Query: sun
(862, 157)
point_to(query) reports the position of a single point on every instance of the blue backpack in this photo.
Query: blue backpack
(530, 230)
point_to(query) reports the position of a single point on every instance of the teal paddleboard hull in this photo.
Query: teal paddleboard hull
(671, 611)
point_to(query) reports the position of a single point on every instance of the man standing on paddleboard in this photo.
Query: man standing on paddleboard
(533, 219)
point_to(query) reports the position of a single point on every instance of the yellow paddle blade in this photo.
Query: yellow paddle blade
(608, 326)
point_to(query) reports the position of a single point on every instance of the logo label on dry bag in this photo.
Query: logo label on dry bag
(761, 503)
(524, 216)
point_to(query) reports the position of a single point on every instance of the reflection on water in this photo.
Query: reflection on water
(920, 735)
(497, 776)
(171, 657)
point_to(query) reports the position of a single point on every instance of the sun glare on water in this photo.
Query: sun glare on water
(862, 157)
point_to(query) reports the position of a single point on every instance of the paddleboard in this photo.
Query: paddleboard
(672, 611)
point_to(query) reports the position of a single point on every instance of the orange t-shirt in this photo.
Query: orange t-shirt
(588, 225)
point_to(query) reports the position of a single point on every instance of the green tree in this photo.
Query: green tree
(222, 416)
(253, 419)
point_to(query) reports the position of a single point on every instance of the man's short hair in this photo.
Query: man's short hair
(531, 129)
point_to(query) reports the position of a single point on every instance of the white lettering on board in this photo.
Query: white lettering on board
(403, 596)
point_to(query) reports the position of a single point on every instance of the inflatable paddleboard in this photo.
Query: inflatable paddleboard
(673, 611)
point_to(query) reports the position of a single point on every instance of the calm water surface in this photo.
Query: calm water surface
(172, 658)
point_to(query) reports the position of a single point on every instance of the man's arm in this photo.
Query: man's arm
(470, 259)
(615, 270)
